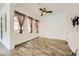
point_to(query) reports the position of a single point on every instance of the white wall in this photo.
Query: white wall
(25, 36)
(10, 38)
(59, 26)
(6, 35)
(54, 26)
(73, 34)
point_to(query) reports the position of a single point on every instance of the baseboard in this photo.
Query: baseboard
(4, 46)
(52, 38)
(27, 41)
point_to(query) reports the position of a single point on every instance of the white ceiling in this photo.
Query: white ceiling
(55, 7)
(33, 8)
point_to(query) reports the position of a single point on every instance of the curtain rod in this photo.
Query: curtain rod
(24, 15)
(19, 13)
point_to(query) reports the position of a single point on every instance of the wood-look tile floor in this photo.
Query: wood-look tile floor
(42, 47)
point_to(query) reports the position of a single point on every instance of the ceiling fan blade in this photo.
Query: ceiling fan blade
(41, 14)
(44, 9)
(49, 11)
(41, 9)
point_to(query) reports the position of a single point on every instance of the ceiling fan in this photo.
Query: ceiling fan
(44, 11)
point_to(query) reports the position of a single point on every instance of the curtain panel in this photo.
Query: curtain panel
(21, 18)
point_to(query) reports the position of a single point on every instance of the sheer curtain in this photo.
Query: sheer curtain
(31, 24)
(36, 25)
(21, 18)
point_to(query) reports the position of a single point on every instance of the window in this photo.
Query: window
(18, 21)
(36, 25)
(32, 25)
(16, 25)
(28, 25)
